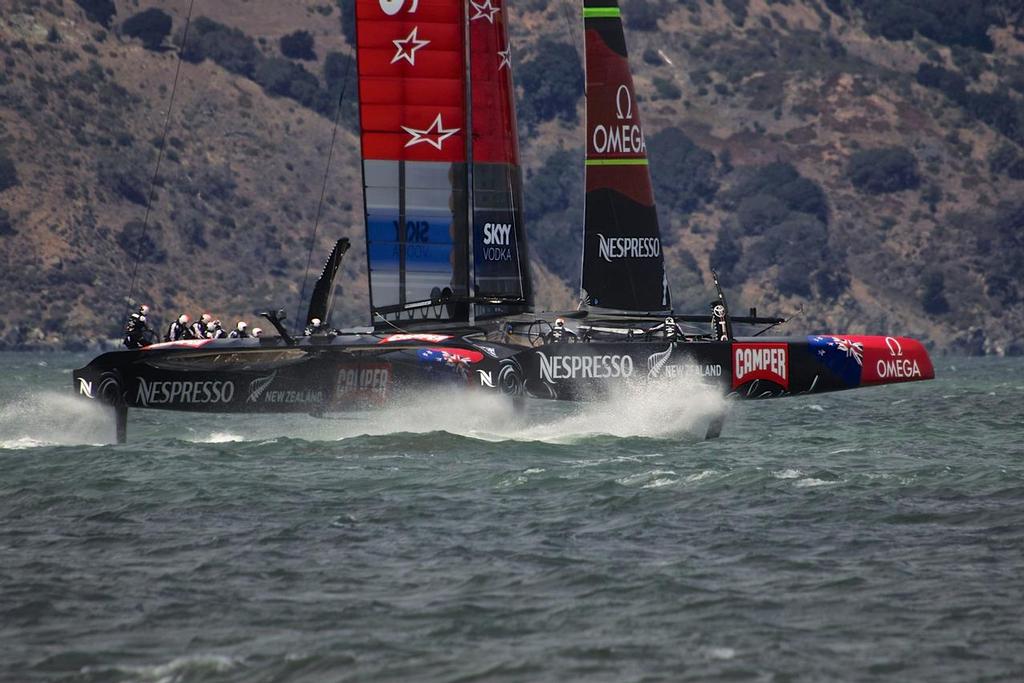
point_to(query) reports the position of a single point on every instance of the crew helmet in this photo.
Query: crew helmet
(670, 321)
(257, 332)
(143, 309)
(315, 322)
(183, 318)
(206, 318)
(559, 323)
(242, 325)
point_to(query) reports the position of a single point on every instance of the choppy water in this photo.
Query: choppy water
(877, 534)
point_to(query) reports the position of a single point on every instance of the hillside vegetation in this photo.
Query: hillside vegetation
(861, 160)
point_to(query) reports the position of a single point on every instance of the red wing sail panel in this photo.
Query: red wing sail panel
(623, 267)
(500, 256)
(412, 94)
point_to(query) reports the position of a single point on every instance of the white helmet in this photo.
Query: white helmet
(315, 322)
(559, 322)
(242, 325)
(182, 319)
(143, 309)
(257, 332)
(207, 318)
(670, 321)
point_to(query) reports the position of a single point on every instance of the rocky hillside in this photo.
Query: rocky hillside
(861, 160)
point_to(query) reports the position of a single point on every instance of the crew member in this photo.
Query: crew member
(201, 328)
(559, 333)
(672, 331)
(137, 332)
(241, 331)
(315, 326)
(719, 325)
(257, 332)
(217, 331)
(178, 329)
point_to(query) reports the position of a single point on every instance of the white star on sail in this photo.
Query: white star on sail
(506, 58)
(406, 47)
(435, 129)
(484, 10)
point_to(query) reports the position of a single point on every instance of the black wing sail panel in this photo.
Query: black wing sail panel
(623, 266)
(321, 303)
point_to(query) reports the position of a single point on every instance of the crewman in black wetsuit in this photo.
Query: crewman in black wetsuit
(719, 325)
(216, 331)
(201, 328)
(178, 329)
(315, 326)
(559, 333)
(241, 331)
(137, 332)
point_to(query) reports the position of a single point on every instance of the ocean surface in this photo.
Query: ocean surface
(870, 535)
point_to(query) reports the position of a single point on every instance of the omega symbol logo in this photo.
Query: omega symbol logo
(895, 347)
(393, 7)
(623, 102)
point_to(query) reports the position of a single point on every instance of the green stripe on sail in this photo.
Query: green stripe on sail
(616, 162)
(601, 12)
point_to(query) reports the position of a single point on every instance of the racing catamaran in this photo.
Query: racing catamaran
(450, 287)
(627, 331)
(446, 245)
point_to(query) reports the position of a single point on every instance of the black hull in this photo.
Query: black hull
(337, 374)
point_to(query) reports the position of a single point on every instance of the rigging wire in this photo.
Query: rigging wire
(323, 193)
(159, 160)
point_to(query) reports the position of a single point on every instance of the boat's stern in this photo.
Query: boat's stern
(858, 360)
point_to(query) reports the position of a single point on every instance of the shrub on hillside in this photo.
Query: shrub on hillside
(298, 45)
(667, 89)
(287, 79)
(641, 15)
(726, 254)
(652, 57)
(140, 243)
(347, 15)
(340, 82)
(226, 46)
(554, 208)
(998, 109)
(552, 83)
(8, 173)
(6, 224)
(100, 11)
(880, 171)
(782, 181)
(1007, 161)
(123, 178)
(150, 26)
(683, 173)
(950, 22)
(933, 300)
(738, 10)
(884, 170)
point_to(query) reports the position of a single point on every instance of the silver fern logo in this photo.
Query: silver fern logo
(259, 386)
(656, 361)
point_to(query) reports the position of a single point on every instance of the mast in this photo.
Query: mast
(468, 64)
(623, 265)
